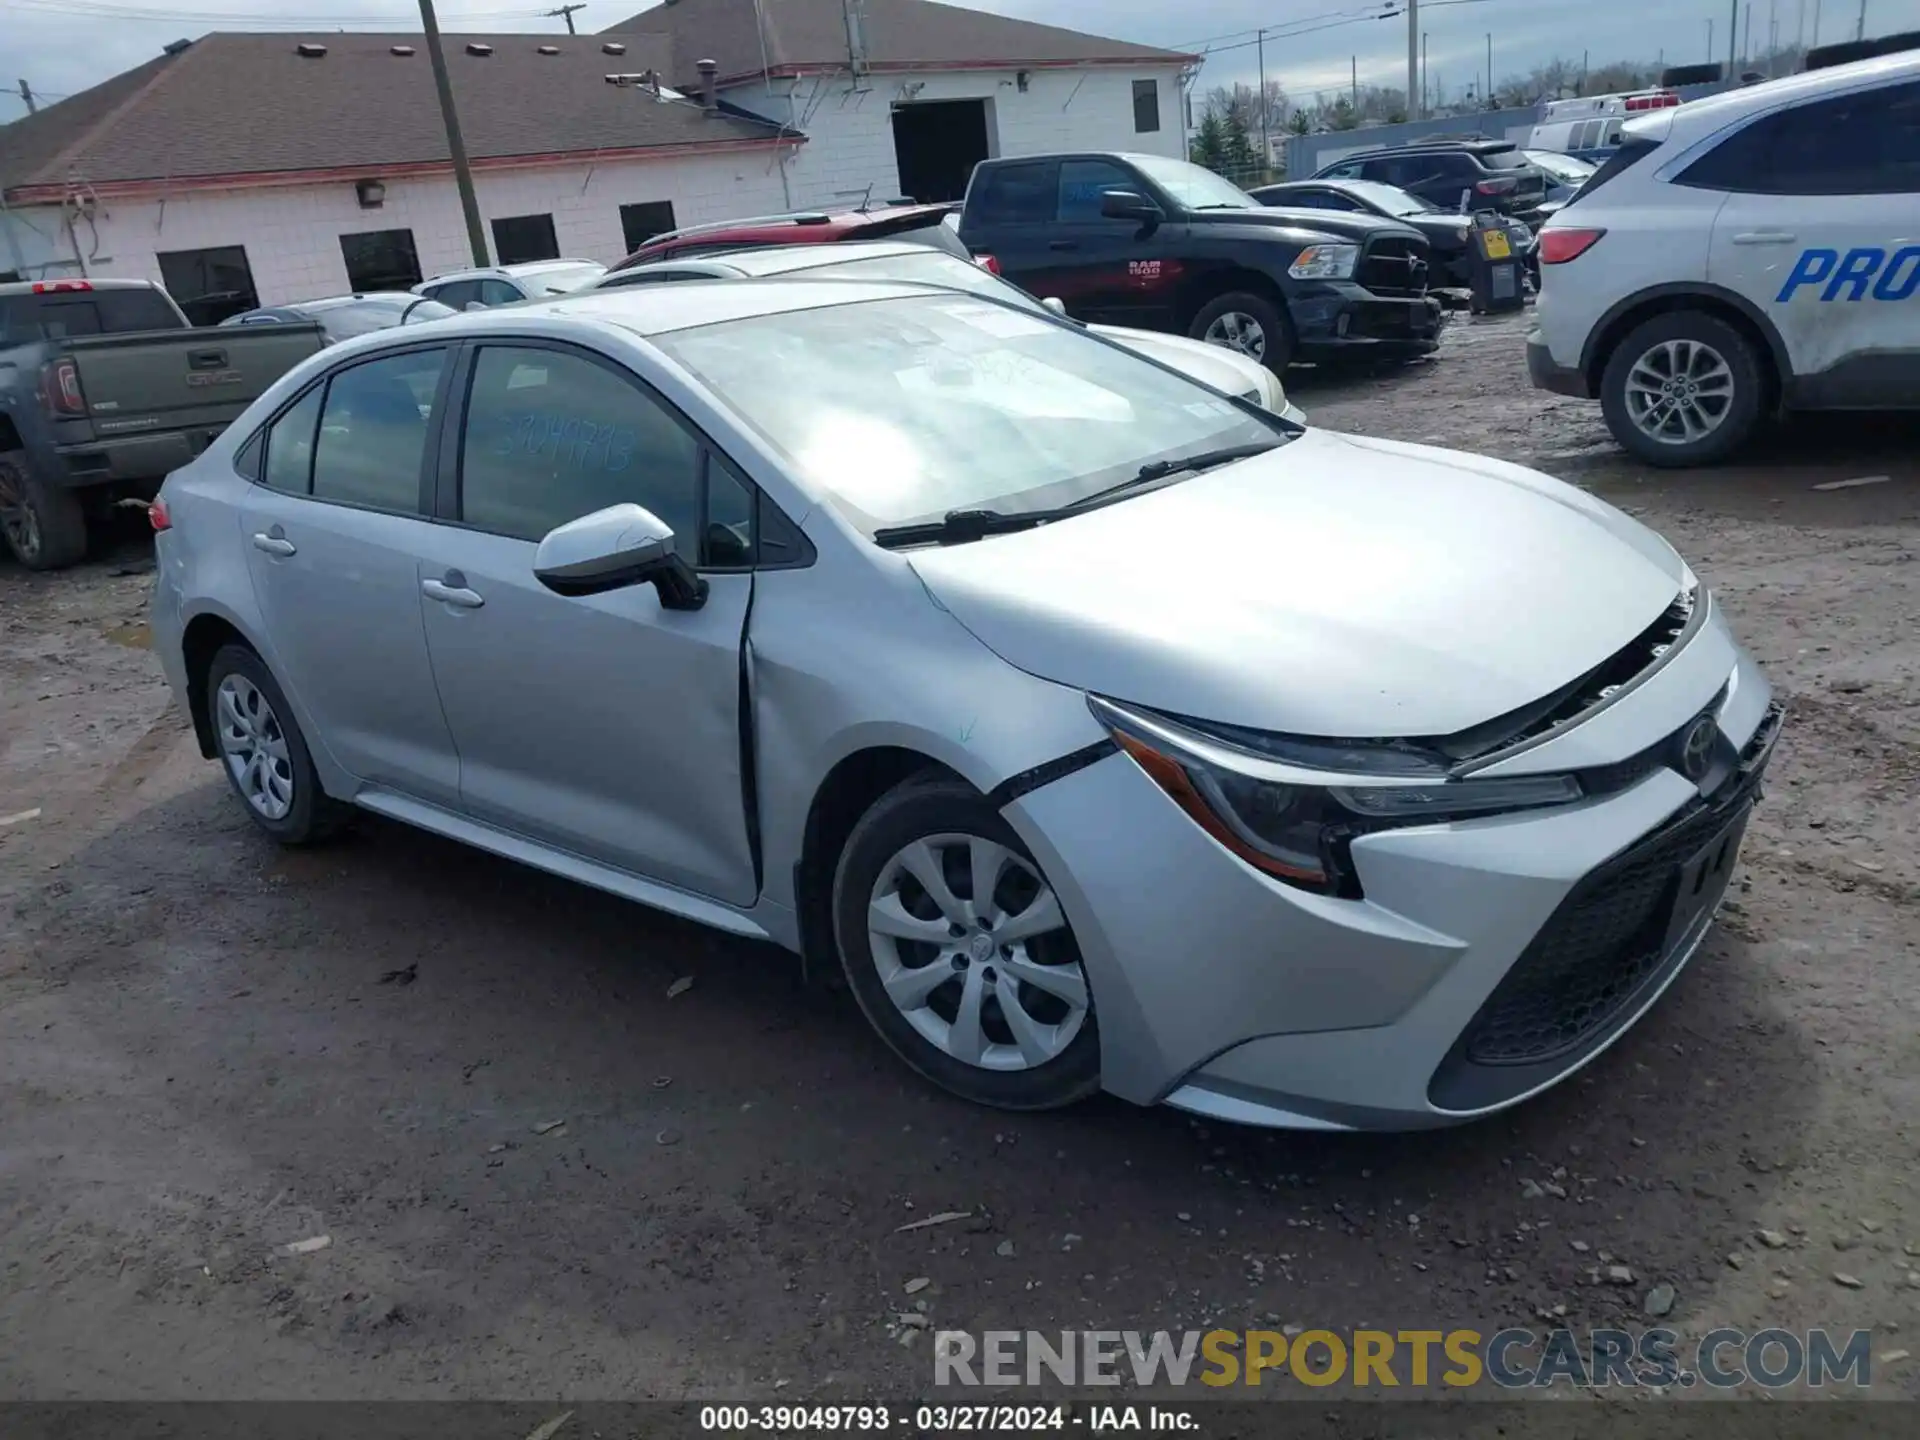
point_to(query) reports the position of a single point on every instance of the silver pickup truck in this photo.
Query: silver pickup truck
(104, 389)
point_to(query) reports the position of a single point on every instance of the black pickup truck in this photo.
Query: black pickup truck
(104, 389)
(1161, 244)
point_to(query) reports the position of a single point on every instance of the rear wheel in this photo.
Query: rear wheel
(1682, 389)
(44, 525)
(1248, 323)
(958, 951)
(263, 753)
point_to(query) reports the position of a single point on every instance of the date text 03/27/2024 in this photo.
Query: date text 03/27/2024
(963, 1419)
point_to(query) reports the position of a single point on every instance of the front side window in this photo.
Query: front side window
(373, 432)
(1861, 144)
(457, 294)
(1083, 182)
(1146, 106)
(901, 410)
(289, 442)
(551, 436)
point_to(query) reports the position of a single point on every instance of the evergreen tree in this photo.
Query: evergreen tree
(1210, 143)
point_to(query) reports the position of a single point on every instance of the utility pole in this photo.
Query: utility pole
(1733, 42)
(26, 94)
(1746, 43)
(1860, 30)
(1266, 144)
(1736, 4)
(1413, 58)
(1816, 21)
(1773, 26)
(1423, 73)
(456, 146)
(1353, 62)
(1489, 102)
(565, 12)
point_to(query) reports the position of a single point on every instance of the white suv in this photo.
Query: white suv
(510, 284)
(1751, 253)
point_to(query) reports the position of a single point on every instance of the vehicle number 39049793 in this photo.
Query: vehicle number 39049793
(799, 1419)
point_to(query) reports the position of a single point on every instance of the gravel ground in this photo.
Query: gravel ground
(210, 1049)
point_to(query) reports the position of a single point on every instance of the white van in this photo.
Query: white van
(1589, 127)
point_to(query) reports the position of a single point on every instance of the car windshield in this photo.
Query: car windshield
(929, 267)
(1193, 187)
(560, 281)
(1569, 169)
(1390, 198)
(900, 410)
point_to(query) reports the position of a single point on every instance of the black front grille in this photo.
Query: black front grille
(1395, 265)
(1608, 937)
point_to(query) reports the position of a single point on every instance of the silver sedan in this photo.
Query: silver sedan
(1108, 732)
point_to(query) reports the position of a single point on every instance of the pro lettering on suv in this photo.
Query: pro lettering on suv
(1159, 244)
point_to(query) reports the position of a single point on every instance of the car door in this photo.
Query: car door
(1110, 272)
(1818, 231)
(1011, 220)
(605, 725)
(334, 528)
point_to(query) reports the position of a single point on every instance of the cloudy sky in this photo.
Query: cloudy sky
(62, 46)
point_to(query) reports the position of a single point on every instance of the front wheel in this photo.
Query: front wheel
(959, 954)
(44, 525)
(1248, 323)
(1682, 389)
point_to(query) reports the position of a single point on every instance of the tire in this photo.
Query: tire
(1276, 342)
(1693, 346)
(301, 812)
(935, 820)
(44, 525)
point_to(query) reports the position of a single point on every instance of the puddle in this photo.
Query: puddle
(137, 636)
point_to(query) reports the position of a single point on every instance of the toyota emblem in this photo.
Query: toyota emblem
(1696, 748)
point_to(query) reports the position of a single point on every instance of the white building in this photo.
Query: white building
(249, 169)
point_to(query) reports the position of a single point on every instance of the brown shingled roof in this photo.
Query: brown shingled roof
(251, 105)
(900, 34)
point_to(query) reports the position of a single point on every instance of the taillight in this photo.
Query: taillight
(158, 518)
(1496, 187)
(60, 388)
(60, 287)
(987, 263)
(1559, 246)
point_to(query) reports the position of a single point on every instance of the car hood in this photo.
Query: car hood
(1209, 364)
(1336, 586)
(1347, 224)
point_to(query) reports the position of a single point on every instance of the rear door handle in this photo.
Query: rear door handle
(1063, 244)
(453, 591)
(274, 545)
(1764, 237)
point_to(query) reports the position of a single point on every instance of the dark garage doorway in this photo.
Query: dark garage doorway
(936, 144)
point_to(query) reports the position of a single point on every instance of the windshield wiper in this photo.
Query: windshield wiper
(1204, 460)
(958, 527)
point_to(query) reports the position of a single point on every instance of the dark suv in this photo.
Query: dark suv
(1160, 244)
(1484, 174)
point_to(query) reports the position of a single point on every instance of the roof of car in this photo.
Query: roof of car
(662, 309)
(1478, 146)
(780, 259)
(517, 268)
(776, 229)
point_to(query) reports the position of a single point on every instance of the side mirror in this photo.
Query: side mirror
(1126, 205)
(612, 549)
(1053, 303)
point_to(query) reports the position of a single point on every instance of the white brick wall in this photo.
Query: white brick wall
(849, 129)
(292, 234)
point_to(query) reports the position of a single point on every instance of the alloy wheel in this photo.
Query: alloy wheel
(1237, 330)
(254, 747)
(1679, 391)
(17, 519)
(973, 949)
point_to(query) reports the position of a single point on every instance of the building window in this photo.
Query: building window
(518, 238)
(640, 223)
(1146, 106)
(381, 260)
(209, 285)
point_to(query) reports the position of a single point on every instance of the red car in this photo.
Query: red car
(922, 223)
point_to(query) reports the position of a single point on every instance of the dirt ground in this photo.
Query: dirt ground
(210, 1049)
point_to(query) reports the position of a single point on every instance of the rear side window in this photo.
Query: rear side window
(1863, 144)
(1014, 195)
(289, 464)
(373, 432)
(551, 436)
(1630, 153)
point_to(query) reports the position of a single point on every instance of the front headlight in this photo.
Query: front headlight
(1325, 262)
(1298, 828)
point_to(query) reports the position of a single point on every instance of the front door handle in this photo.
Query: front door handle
(1063, 244)
(453, 591)
(274, 544)
(1764, 237)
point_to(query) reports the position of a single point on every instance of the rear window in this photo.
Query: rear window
(1631, 152)
(1508, 158)
(25, 319)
